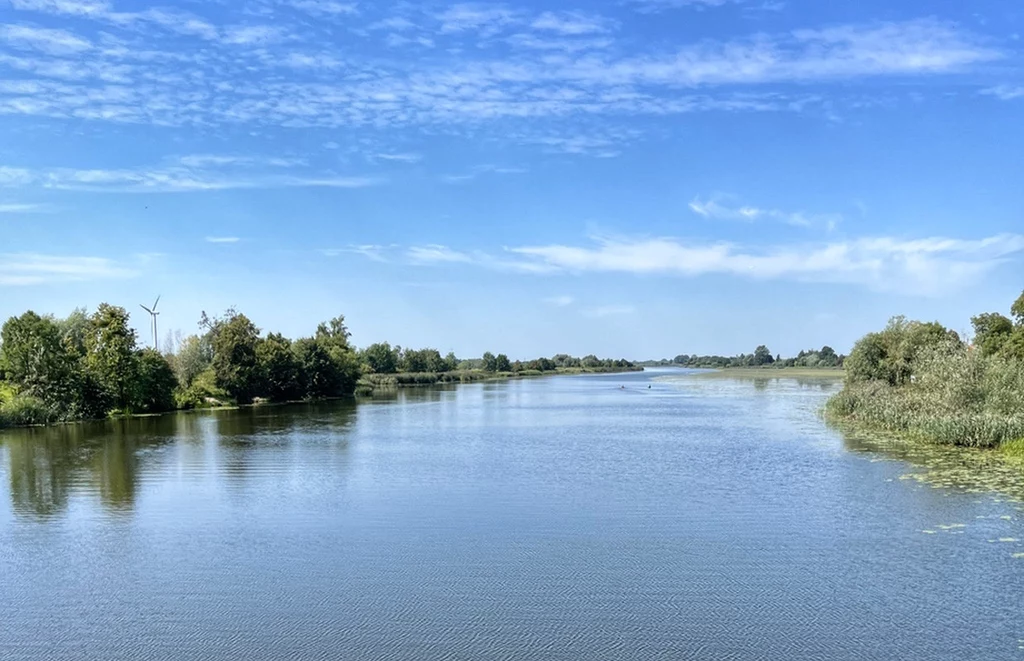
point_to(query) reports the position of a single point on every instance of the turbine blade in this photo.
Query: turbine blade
(145, 308)
(157, 300)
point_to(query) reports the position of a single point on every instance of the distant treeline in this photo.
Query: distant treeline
(90, 365)
(762, 357)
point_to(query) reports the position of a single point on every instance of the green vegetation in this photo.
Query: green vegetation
(824, 358)
(922, 380)
(385, 366)
(90, 366)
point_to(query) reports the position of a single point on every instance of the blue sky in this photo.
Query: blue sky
(635, 178)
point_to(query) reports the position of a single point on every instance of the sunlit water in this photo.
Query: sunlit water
(560, 518)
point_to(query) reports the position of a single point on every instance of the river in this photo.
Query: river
(588, 517)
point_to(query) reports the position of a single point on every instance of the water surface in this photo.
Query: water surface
(559, 518)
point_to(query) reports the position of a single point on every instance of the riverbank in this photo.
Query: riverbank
(922, 382)
(773, 372)
(374, 382)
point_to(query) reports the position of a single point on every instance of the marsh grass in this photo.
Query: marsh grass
(957, 397)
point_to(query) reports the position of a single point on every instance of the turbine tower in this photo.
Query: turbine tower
(153, 313)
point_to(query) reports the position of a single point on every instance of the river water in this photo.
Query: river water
(558, 518)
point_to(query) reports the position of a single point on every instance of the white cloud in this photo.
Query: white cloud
(14, 207)
(248, 35)
(222, 239)
(52, 42)
(22, 269)
(486, 19)
(930, 266)
(1005, 92)
(559, 301)
(711, 208)
(171, 179)
(609, 311)
(401, 158)
(571, 23)
(370, 251)
(325, 7)
(438, 254)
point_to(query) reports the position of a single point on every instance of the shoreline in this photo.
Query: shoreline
(364, 388)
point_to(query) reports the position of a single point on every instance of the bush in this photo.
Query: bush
(23, 410)
(954, 395)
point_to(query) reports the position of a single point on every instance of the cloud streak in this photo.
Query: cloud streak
(190, 174)
(24, 269)
(711, 208)
(930, 266)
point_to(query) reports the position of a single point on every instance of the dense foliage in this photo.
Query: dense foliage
(89, 366)
(923, 380)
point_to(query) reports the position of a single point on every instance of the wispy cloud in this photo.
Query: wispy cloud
(1005, 92)
(559, 301)
(222, 239)
(51, 42)
(400, 157)
(440, 255)
(325, 7)
(370, 251)
(931, 266)
(609, 311)
(572, 23)
(192, 174)
(479, 170)
(16, 207)
(712, 208)
(22, 269)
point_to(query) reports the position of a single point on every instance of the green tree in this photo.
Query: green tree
(110, 355)
(502, 364)
(279, 368)
(451, 363)
(1017, 309)
(490, 362)
(234, 340)
(991, 331)
(890, 355)
(762, 356)
(380, 358)
(194, 356)
(34, 359)
(156, 382)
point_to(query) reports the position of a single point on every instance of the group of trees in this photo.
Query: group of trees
(761, 357)
(382, 358)
(231, 359)
(88, 366)
(924, 379)
(81, 366)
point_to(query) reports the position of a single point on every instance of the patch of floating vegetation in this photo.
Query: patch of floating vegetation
(983, 472)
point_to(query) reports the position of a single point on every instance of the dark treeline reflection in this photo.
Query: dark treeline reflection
(49, 466)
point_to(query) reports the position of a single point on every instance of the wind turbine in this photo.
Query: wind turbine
(152, 313)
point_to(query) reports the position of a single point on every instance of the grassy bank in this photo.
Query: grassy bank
(774, 372)
(923, 383)
(371, 382)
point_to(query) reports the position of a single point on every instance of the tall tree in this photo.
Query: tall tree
(490, 362)
(34, 358)
(762, 356)
(279, 367)
(502, 364)
(154, 388)
(380, 358)
(234, 340)
(991, 331)
(110, 354)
